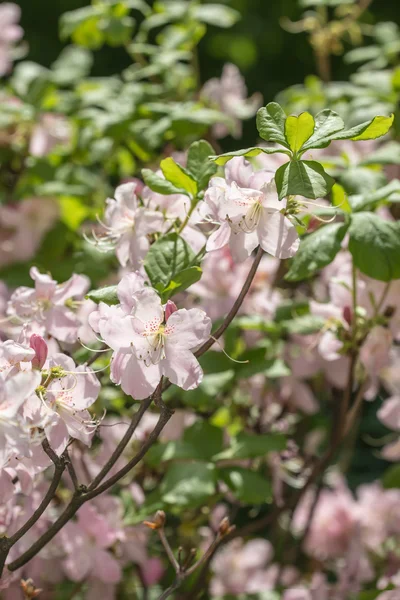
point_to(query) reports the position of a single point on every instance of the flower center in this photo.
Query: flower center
(250, 220)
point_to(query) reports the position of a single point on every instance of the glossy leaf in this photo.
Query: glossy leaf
(271, 124)
(298, 130)
(303, 177)
(178, 176)
(108, 295)
(167, 257)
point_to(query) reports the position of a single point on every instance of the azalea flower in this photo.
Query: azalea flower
(151, 340)
(10, 33)
(50, 305)
(248, 218)
(229, 95)
(126, 226)
(61, 407)
(14, 391)
(51, 130)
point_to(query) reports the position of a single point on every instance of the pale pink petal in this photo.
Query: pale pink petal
(219, 238)
(278, 236)
(139, 380)
(389, 413)
(242, 245)
(182, 368)
(57, 434)
(118, 332)
(45, 286)
(106, 567)
(190, 328)
(129, 285)
(125, 194)
(147, 310)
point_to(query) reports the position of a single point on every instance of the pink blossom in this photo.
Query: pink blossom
(127, 225)
(248, 218)
(147, 346)
(87, 544)
(229, 95)
(10, 33)
(61, 407)
(374, 353)
(241, 567)
(14, 391)
(50, 305)
(23, 226)
(50, 131)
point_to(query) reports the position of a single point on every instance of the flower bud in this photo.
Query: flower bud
(170, 308)
(158, 522)
(38, 344)
(225, 527)
(347, 316)
(29, 590)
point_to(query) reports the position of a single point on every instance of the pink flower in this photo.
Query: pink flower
(87, 544)
(248, 218)
(14, 391)
(127, 225)
(61, 408)
(229, 95)
(51, 130)
(147, 345)
(23, 226)
(241, 567)
(50, 305)
(10, 33)
(333, 524)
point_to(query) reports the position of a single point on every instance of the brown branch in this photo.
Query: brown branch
(235, 308)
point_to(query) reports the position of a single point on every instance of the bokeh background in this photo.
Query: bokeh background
(270, 58)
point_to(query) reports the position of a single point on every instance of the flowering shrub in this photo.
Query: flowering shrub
(199, 366)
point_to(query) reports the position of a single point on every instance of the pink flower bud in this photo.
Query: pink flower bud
(347, 316)
(38, 344)
(170, 308)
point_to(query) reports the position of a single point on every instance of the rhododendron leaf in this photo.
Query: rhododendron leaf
(189, 484)
(271, 124)
(160, 185)
(181, 282)
(369, 130)
(167, 257)
(303, 177)
(199, 164)
(216, 15)
(390, 192)
(73, 64)
(247, 445)
(298, 130)
(303, 325)
(391, 477)
(247, 486)
(375, 246)
(327, 123)
(73, 211)
(387, 154)
(192, 445)
(178, 176)
(222, 159)
(317, 250)
(340, 198)
(108, 295)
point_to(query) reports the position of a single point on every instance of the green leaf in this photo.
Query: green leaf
(72, 65)
(160, 185)
(327, 122)
(222, 159)
(248, 486)
(317, 250)
(304, 177)
(388, 154)
(108, 295)
(199, 164)
(216, 15)
(247, 445)
(167, 257)
(391, 477)
(370, 130)
(364, 201)
(177, 175)
(191, 447)
(340, 199)
(181, 282)
(271, 124)
(73, 211)
(188, 485)
(298, 130)
(303, 325)
(375, 246)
